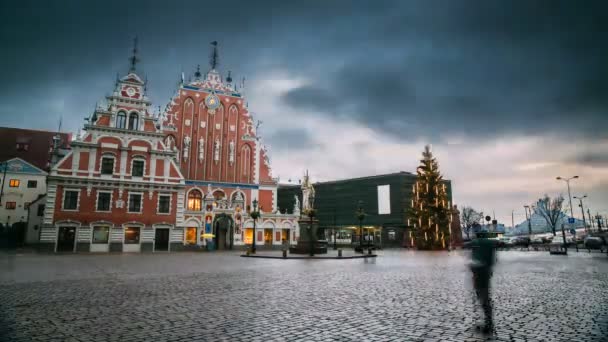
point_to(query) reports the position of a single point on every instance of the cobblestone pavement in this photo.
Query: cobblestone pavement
(400, 296)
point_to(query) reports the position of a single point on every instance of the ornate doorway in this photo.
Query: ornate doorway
(223, 229)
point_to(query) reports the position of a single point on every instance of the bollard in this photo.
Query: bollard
(339, 253)
(285, 253)
(369, 251)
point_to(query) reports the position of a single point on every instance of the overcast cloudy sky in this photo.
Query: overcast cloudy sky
(510, 94)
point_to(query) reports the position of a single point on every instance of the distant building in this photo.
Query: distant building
(385, 199)
(21, 183)
(35, 220)
(39, 148)
(539, 224)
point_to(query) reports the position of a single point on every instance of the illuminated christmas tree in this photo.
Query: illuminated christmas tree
(430, 214)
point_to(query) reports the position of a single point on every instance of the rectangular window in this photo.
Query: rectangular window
(392, 235)
(40, 209)
(70, 200)
(101, 234)
(163, 204)
(107, 166)
(14, 183)
(138, 168)
(11, 205)
(132, 235)
(191, 236)
(135, 203)
(104, 201)
(32, 184)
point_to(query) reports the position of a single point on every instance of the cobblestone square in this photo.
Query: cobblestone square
(399, 296)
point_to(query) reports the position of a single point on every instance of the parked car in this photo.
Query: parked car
(594, 242)
(559, 241)
(505, 242)
(521, 241)
(536, 241)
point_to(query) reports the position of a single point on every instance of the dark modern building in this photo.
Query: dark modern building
(384, 198)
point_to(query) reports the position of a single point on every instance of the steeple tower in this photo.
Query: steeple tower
(214, 58)
(133, 59)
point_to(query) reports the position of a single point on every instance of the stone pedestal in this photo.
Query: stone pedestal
(308, 238)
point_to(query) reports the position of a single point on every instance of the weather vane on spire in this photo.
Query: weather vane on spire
(133, 59)
(214, 59)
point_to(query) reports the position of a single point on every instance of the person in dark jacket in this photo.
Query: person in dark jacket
(483, 260)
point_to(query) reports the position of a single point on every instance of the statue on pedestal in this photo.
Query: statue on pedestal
(308, 194)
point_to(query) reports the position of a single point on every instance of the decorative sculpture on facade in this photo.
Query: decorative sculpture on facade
(296, 205)
(216, 152)
(231, 152)
(201, 149)
(186, 147)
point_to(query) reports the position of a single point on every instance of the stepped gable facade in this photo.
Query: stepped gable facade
(182, 178)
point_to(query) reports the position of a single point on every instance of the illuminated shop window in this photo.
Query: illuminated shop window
(191, 235)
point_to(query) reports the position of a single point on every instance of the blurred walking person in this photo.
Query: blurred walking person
(483, 259)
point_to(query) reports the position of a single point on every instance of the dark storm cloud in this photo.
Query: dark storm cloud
(476, 68)
(410, 68)
(290, 139)
(592, 157)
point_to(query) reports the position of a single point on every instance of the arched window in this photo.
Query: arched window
(133, 121)
(195, 199)
(121, 120)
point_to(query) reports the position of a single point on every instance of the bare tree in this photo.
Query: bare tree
(468, 218)
(551, 210)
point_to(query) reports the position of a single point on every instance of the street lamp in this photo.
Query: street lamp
(567, 180)
(5, 163)
(360, 214)
(580, 200)
(254, 214)
(335, 237)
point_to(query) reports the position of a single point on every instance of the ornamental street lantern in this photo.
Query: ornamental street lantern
(360, 214)
(254, 214)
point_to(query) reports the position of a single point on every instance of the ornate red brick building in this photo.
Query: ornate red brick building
(181, 179)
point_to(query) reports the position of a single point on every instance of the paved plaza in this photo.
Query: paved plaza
(399, 296)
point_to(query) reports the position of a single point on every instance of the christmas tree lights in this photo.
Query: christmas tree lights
(428, 206)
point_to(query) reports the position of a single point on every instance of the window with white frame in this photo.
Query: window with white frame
(70, 199)
(137, 168)
(104, 201)
(133, 121)
(121, 120)
(135, 202)
(101, 234)
(164, 204)
(107, 165)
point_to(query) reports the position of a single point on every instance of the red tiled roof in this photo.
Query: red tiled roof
(39, 144)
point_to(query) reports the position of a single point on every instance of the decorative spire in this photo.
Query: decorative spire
(214, 59)
(133, 59)
(229, 78)
(197, 74)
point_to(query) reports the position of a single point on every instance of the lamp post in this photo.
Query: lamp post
(5, 163)
(580, 200)
(254, 214)
(567, 180)
(360, 213)
(335, 237)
